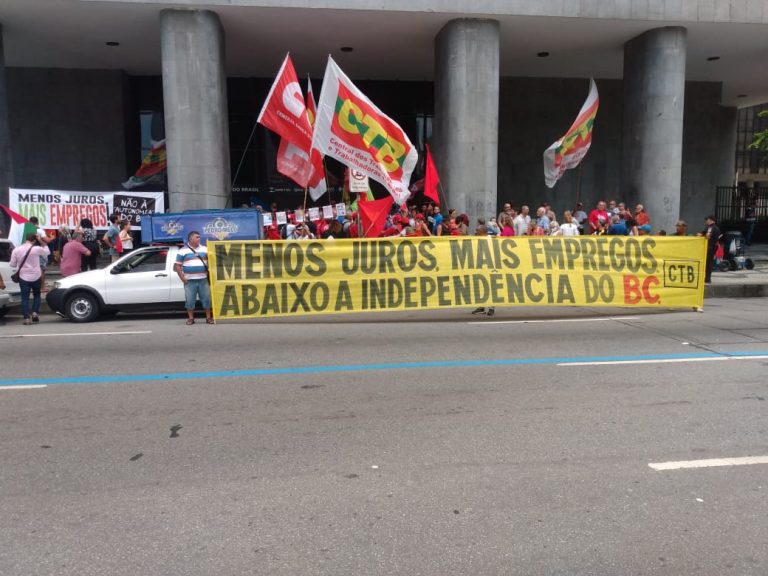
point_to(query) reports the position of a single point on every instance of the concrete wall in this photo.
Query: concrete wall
(709, 144)
(68, 131)
(67, 128)
(534, 113)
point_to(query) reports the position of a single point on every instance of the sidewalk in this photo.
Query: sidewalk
(742, 283)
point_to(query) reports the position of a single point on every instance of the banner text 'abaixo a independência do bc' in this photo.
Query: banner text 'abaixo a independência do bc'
(263, 279)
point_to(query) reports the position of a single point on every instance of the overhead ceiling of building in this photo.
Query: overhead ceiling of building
(386, 45)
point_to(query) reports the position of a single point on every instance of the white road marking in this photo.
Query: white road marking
(551, 320)
(75, 334)
(710, 463)
(23, 387)
(663, 361)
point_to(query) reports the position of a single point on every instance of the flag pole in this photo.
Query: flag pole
(245, 151)
(327, 186)
(442, 193)
(578, 184)
(304, 205)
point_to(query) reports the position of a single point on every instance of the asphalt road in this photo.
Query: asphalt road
(418, 444)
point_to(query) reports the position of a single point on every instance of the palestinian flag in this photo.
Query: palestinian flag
(567, 152)
(153, 165)
(14, 226)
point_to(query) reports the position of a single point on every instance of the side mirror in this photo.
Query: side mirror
(116, 269)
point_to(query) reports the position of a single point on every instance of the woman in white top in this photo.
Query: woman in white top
(569, 227)
(125, 236)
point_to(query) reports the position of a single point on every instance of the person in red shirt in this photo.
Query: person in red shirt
(641, 216)
(72, 255)
(420, 227)
(599, 219)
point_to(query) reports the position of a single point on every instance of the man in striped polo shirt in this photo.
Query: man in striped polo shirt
(192, 267)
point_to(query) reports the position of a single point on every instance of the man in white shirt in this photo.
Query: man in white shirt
(522, 221)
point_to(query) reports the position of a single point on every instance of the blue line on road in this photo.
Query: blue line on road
(300, 370)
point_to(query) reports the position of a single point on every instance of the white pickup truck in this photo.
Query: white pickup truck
(145, 279)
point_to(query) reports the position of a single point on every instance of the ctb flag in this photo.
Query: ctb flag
(353, 130)
(567, 152)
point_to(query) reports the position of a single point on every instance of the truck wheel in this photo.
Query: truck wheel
(82, 307)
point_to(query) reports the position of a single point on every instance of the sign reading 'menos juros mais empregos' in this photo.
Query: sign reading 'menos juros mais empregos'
(254, 279)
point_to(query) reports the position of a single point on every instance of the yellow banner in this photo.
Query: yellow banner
(263, 279)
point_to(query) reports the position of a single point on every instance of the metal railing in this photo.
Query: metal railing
(732, 203)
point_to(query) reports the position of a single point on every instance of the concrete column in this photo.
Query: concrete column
(195, 100)
(467, 114)
(6, 164)
(654, 94)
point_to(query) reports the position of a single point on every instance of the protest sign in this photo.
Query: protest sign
(55, 208)
(264, 279)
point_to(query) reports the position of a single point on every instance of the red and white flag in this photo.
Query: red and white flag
(353, 130)
(294, 163)
(284, 111)
(568, 151)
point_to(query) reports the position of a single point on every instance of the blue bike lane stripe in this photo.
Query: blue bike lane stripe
(340, 368)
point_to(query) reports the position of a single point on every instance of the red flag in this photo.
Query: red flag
(294, 163)
(284, 110)
(373, 215)
(431, 180)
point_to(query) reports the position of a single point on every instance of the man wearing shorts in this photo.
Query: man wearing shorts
(192, 267)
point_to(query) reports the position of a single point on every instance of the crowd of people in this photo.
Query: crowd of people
(427, 219)
(77, 250)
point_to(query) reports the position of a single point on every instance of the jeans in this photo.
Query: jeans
(26, 287)
(750, 232)
(195, 288)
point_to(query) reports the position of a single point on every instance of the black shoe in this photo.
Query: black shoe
(35, 317)
(490, 311)
(478, 311)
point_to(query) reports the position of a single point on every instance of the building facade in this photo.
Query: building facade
(86, 85)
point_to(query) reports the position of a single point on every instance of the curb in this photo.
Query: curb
(737, 291)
